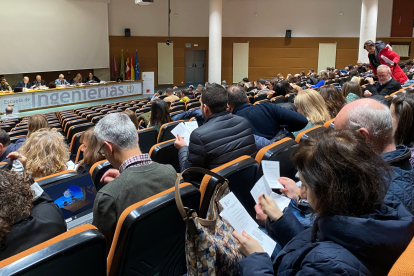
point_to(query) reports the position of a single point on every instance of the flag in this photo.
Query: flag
(121, 70)
(114, 69)
(132, 68)
(136, 66)
(127, 68)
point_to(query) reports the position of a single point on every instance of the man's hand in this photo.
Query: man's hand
(248, 245)
(110, 175)
(17, 156)
(308, 85)
(179, 142)
(291, 190)
(367, 93)
(269, 207)
(370, 80)
(260, 216)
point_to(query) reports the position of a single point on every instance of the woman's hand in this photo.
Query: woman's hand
(260, 216)
(269, 207)
(291, 190)
(248, 245)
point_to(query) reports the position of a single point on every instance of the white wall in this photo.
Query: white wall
(306, 18)
(53, 35)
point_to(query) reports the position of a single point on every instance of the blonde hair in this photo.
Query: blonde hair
(312, 106)
(35, 123)
(46, 153)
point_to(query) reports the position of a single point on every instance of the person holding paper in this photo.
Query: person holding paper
(381, 54)
(222, 138)
(353, 233)
(386, 85)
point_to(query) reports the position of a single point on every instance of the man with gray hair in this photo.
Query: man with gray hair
(61, 80)
(136, 178)
(373, 120)
(386, 85)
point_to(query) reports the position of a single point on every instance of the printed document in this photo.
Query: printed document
(185, 129)
(271, 172)
(262, 187)
(237, 216)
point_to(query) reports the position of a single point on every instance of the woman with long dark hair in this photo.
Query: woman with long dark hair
(160, 114)
(333, 99)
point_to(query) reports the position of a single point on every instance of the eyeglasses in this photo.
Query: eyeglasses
(100, 150)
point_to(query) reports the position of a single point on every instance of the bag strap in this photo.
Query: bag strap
(177, 194)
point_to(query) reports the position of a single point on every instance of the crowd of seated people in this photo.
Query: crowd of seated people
(357, 179)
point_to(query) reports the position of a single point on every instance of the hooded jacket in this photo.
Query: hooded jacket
(376, 59)
(401, 187)
(353, 246)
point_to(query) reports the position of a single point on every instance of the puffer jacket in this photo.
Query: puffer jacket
(353, 246)
(401, 187)
(223, 138)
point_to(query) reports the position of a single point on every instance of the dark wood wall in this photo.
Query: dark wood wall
(402, 18)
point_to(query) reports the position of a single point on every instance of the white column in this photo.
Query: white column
(214, 42)
(368, 31)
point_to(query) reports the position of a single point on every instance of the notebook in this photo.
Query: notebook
(75, 198)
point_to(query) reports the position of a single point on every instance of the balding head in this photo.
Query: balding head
(9, 110)
(371, 119)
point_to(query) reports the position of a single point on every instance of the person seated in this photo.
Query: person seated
(190, 88)
(4, 86)
(402, 112)
(9, 114)
(24, 83)
(175, 90)
(323, 77)
(36, 122)
(38, 83)
(76, 80)
(170, 96)
(90, 151)
(360, 67)
(133, 118)
(333, 98)
(44, 153)
(6, 146)
(353, 233)
(184, 94)
(29, 217)
(156, 95)
(311, 104)
(92, 78)
(261, 86)
(373, 120)
(266, 120)
(61, 81)
(408, 66)
(351, 91)
(386, 85)
(136, 178)
(160, 114)
(281, 88)
(222, 138)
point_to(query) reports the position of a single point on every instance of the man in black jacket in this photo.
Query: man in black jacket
(266, 118)
(39, 82)
(24, 83)
(386, 84)
(223, 137)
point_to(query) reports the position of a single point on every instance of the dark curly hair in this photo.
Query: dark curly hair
(15, 199)
(344, 172)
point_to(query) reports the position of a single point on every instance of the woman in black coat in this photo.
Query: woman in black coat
(92, 79)
(344, 180)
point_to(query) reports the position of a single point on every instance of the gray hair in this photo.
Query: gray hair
(378, 122)
(118, 129)
(382, 66)
(61, 76)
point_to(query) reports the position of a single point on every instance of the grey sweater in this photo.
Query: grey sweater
(133, 185)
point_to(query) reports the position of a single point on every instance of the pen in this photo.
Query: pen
(264, 197)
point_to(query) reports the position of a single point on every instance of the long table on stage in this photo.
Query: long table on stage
(38, 99)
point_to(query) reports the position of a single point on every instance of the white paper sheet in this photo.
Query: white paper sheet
(261, 187)
(387, 60)
(185, 130)
(271, 172)
(238, 217)
(281, 201)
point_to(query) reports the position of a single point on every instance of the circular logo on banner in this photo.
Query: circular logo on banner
(130, 88)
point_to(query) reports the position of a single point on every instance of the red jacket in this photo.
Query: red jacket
(396, 72)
